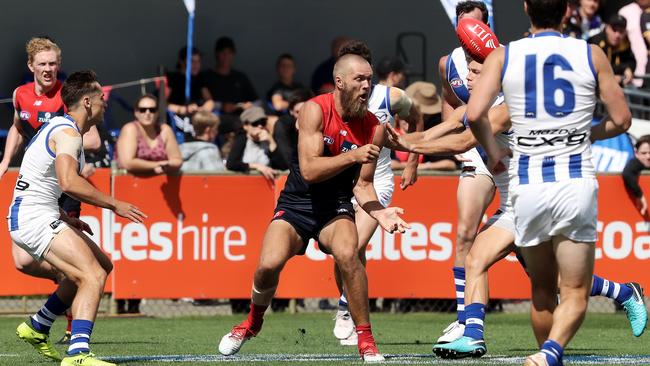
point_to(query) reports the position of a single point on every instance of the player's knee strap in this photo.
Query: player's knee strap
(263, 297)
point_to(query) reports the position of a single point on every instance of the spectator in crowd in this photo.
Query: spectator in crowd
(229, 88)
(146, 146)
(633, 168)
(632, 13)
(426, 98)
(278, 95)
(229, 127)
(254, 146)
(322, 80)
(645, 29)
(392, 71)
(584, 22)
(176, 102)
(614, 42)
(203, 154)
(285, 131)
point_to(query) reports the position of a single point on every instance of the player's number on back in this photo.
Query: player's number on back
(552, 84)
(21, 185)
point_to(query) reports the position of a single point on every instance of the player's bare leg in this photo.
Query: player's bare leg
(474, 194)
(26, 264)
(491, 245)
(344, 325)
(281, 242)
(575, 263)
(543, 272)
(576, 266)
(85, 265)
(340, 237)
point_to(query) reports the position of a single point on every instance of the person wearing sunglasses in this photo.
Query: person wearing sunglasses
(145, 145)
(254, 147)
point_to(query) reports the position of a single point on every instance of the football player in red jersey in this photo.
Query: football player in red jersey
(338, 146)
(36, 103)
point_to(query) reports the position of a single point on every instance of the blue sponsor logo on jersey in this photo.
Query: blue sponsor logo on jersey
(348, 146)
(328, 140)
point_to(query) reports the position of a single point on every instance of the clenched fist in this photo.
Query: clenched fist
(366, 153)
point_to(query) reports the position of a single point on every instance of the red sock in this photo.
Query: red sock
(256, 317)
(68, 315)
(365, 336)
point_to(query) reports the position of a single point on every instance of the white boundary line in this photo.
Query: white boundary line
(398, 358)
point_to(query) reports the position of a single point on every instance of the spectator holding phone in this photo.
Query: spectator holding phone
(146, 146)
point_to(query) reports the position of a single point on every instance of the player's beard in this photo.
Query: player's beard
(352, 106)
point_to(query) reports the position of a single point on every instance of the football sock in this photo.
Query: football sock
(343, 303)
(68, 316)
(256, 317)
(475, 313)
(80, 339)
(364, 332)
(613, 290)
(553, 352)
(459, 281)
(43, 319)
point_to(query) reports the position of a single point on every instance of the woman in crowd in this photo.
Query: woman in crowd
(146, 146)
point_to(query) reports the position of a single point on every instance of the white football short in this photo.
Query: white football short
(475, 166)
(504, 219)
(545, 210)
(35, 235)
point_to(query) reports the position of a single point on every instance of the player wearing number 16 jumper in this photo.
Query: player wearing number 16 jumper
(552, 180)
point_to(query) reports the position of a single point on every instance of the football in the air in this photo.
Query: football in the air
(477, 38)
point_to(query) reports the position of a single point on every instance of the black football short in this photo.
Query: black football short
(309, 222)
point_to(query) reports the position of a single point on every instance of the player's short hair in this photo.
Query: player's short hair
(645, 139)
(546, 13)
(40, 44)
(78, 85)
(465, 7)
(201, 120)
(388, 65)
(299, 96)
(358, 48)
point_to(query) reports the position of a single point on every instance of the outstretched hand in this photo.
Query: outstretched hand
(129, 211)
(390, 221)
(395, 141)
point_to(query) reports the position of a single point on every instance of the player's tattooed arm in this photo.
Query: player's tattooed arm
(315, 167)
(620, 118)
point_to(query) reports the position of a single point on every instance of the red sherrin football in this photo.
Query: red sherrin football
(477, 38)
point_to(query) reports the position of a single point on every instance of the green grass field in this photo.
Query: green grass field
(287, 337)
